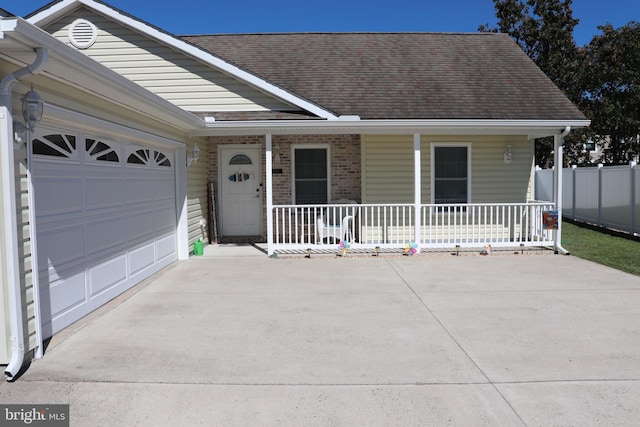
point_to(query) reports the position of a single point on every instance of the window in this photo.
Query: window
(148, 157)
(240, 159)
(100, 151)
(55, 145)
(139, 157)
(450, 166)
(311, 176)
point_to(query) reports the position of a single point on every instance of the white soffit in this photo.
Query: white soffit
(63, 7)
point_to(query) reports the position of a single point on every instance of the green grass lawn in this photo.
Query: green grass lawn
(617, 252)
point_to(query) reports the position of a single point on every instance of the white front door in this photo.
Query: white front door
(241, 190)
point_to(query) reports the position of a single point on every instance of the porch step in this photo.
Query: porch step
(242, 239)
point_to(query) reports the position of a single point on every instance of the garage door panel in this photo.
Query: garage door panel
(58, 196)
(104, 193)
(107, 275)
(140, 225)
(166, 247)
(106, 235)
(102, 225)
(139, 191)
(164, 220)
(60, 246)
(162, 189)
(141, 258)
(65, 294)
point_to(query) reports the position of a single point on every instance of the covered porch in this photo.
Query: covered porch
(416, 226)
(367, 225)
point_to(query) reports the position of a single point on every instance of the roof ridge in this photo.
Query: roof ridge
(275, 33)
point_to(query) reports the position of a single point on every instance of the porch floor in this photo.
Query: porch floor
(260, 249)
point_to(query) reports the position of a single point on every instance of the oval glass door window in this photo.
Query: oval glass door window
(239, 177)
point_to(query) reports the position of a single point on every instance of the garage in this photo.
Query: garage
(105, 213)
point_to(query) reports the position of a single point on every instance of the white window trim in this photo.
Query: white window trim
(295, 147)
(432, 160)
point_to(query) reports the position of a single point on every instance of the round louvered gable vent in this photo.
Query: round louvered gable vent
(82, 33)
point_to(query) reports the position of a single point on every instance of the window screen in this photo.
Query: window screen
(451, 170)
(311, 181)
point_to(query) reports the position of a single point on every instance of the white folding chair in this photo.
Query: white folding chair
(337, 232)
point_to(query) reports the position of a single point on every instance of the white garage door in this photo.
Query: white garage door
(105, 217)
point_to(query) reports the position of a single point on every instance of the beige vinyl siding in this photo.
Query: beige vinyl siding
(182, 80)
(495, 181)
(25, 247)
(387, 166)
(197, 208)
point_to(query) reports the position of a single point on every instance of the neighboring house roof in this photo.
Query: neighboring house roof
(401, 75)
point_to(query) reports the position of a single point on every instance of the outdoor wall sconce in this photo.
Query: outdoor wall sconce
(508, 155)
(276, 153)
(195, 153)
(32, 110)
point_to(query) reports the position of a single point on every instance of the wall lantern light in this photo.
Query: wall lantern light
(508, 155)
(32, 110)
(195, 153)
(276, 153)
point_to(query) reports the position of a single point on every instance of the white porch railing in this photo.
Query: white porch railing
(387, 226)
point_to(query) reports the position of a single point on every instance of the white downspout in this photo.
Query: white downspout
(10, 220)
(558, 162)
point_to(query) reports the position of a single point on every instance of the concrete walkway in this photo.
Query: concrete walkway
(238, 339)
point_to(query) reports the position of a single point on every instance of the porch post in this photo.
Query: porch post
(417, 195)
(558, 143)
(269, 185)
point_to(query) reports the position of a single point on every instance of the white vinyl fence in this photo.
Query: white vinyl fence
(606, 196)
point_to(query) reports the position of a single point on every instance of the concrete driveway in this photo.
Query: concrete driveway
(433, 339)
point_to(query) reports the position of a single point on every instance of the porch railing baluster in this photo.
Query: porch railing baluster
(393, 225)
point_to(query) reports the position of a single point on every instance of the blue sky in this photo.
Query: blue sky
(259, 16)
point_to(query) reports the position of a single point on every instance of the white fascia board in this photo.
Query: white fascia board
(180, 45)
(107, 81)
(532, 128)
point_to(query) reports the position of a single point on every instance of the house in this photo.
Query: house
(390, 139)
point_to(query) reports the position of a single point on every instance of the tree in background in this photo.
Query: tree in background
(544, 31)
(602, 78)
(611, 91)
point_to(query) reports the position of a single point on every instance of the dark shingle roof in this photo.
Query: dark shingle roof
(401, 75)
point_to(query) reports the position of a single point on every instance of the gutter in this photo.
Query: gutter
(558, 190)
(348, 125)
(10, 223)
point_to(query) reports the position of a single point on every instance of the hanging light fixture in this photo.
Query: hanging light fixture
(32, 108)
